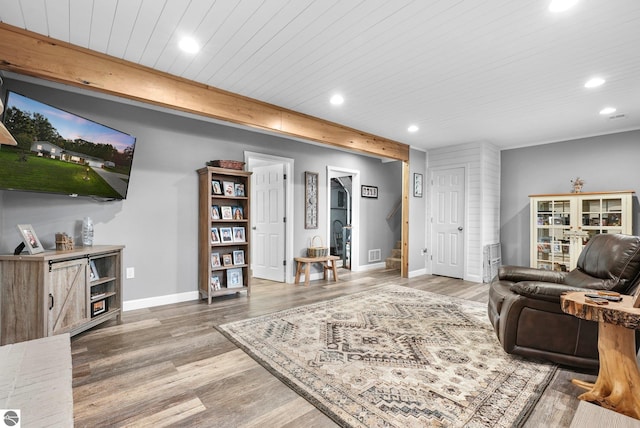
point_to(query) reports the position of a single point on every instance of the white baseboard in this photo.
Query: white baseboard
(150, 302)
(372, 266)
(418, 272)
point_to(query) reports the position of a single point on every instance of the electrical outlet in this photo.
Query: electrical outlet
(131, 273)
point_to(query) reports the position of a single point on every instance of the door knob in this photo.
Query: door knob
(254, 228)
(460, 228)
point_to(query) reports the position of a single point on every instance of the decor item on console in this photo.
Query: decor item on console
(577, 185)
(64, 242)
(524, 303)
(30, 240)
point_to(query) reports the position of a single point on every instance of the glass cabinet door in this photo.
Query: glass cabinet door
(601, 215)
(553, 219)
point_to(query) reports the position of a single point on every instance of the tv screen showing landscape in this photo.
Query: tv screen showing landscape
(60, 152)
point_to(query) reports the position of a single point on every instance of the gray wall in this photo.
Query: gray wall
(606, 163)
(417, 214)
(158, 220)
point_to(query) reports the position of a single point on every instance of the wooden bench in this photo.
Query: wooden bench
(328, 263)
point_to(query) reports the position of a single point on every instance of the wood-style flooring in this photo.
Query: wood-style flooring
(168, 365)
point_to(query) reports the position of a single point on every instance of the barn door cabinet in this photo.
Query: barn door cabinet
(224, 232)
(562, 224)
(59, 292)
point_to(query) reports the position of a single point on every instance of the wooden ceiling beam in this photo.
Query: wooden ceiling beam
(31, 54)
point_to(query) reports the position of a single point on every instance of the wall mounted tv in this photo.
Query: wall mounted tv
(60, 152)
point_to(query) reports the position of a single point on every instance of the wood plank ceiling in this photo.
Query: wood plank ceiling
(502, 71)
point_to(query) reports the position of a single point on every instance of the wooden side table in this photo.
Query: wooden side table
(328, 263)
(618, 384)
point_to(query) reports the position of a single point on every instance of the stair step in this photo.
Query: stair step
(396, 253)
(393, 263)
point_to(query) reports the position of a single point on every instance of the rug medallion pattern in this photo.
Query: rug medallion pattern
(396, 357)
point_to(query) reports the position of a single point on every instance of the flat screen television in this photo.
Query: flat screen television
(60, 152)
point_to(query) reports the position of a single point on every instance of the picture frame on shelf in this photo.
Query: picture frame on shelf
(238, 234)
(310, 200)
(238, 257)
(215, 212)
(30, 239)
(215, 236)
(215, 283)
(240, 189)
(99, 307)
(229, 188)
(93, 271)
(225, 234)
(238, 213)
(369, 191)
(235, 278)
(216, 187)
(227, 260)
(226, 213)
(215, 260)
(417, 184)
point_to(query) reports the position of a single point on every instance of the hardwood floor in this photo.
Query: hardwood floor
(168, 365)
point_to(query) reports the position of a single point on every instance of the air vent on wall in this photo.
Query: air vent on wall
(375, 255)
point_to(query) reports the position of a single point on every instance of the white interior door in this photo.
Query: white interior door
(268, 208)
(448, 222)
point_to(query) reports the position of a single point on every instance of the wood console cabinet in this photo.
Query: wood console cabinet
(59, 292)
(224, 232)
(561, 224)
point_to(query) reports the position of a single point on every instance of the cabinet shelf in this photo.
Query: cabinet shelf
(102, 281)
(562, 224)
(236, 227)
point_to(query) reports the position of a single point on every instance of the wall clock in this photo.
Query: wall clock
(310, 200)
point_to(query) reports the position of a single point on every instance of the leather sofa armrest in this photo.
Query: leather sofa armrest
(522, 273)
(548, 291)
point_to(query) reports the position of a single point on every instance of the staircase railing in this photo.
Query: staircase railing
(394, 210)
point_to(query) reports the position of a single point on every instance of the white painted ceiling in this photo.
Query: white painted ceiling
(504, 71)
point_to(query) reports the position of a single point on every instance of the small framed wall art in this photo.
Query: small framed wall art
(417, 185)
(369, 192)
(310, 200)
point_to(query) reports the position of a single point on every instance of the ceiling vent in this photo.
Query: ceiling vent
(617, 116)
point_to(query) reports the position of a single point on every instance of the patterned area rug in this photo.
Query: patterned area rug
(396, 357)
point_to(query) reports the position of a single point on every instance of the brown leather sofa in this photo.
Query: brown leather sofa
(524, 303)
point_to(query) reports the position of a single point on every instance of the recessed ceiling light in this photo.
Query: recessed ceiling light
(337, 99)
(189, 45)
(561, 5)
(594, 82)
(607, 110)
(413, 128)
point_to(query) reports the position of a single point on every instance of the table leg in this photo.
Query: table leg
(335, 271)
(307, 272)
(298, 269)
(618, 384)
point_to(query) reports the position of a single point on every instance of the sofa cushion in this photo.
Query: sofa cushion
(607, 262)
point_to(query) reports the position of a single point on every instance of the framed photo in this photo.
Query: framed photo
(99, 307)
(225, 234)
(215, 260)
(417, 185)
(216, 187)
(238, 257)
(227, 260)
(238, 214)
(31, 241)
(215, 212)
(238, 234)
(215, 283)
(369, 192)
(229, 188)
(234, 278)
(215, 236)
(240, 189)
(93, 271)
(226, 213)
(310, 200)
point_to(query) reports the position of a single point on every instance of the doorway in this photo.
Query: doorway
(447, 225)
(271, 206)
(343, 215)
